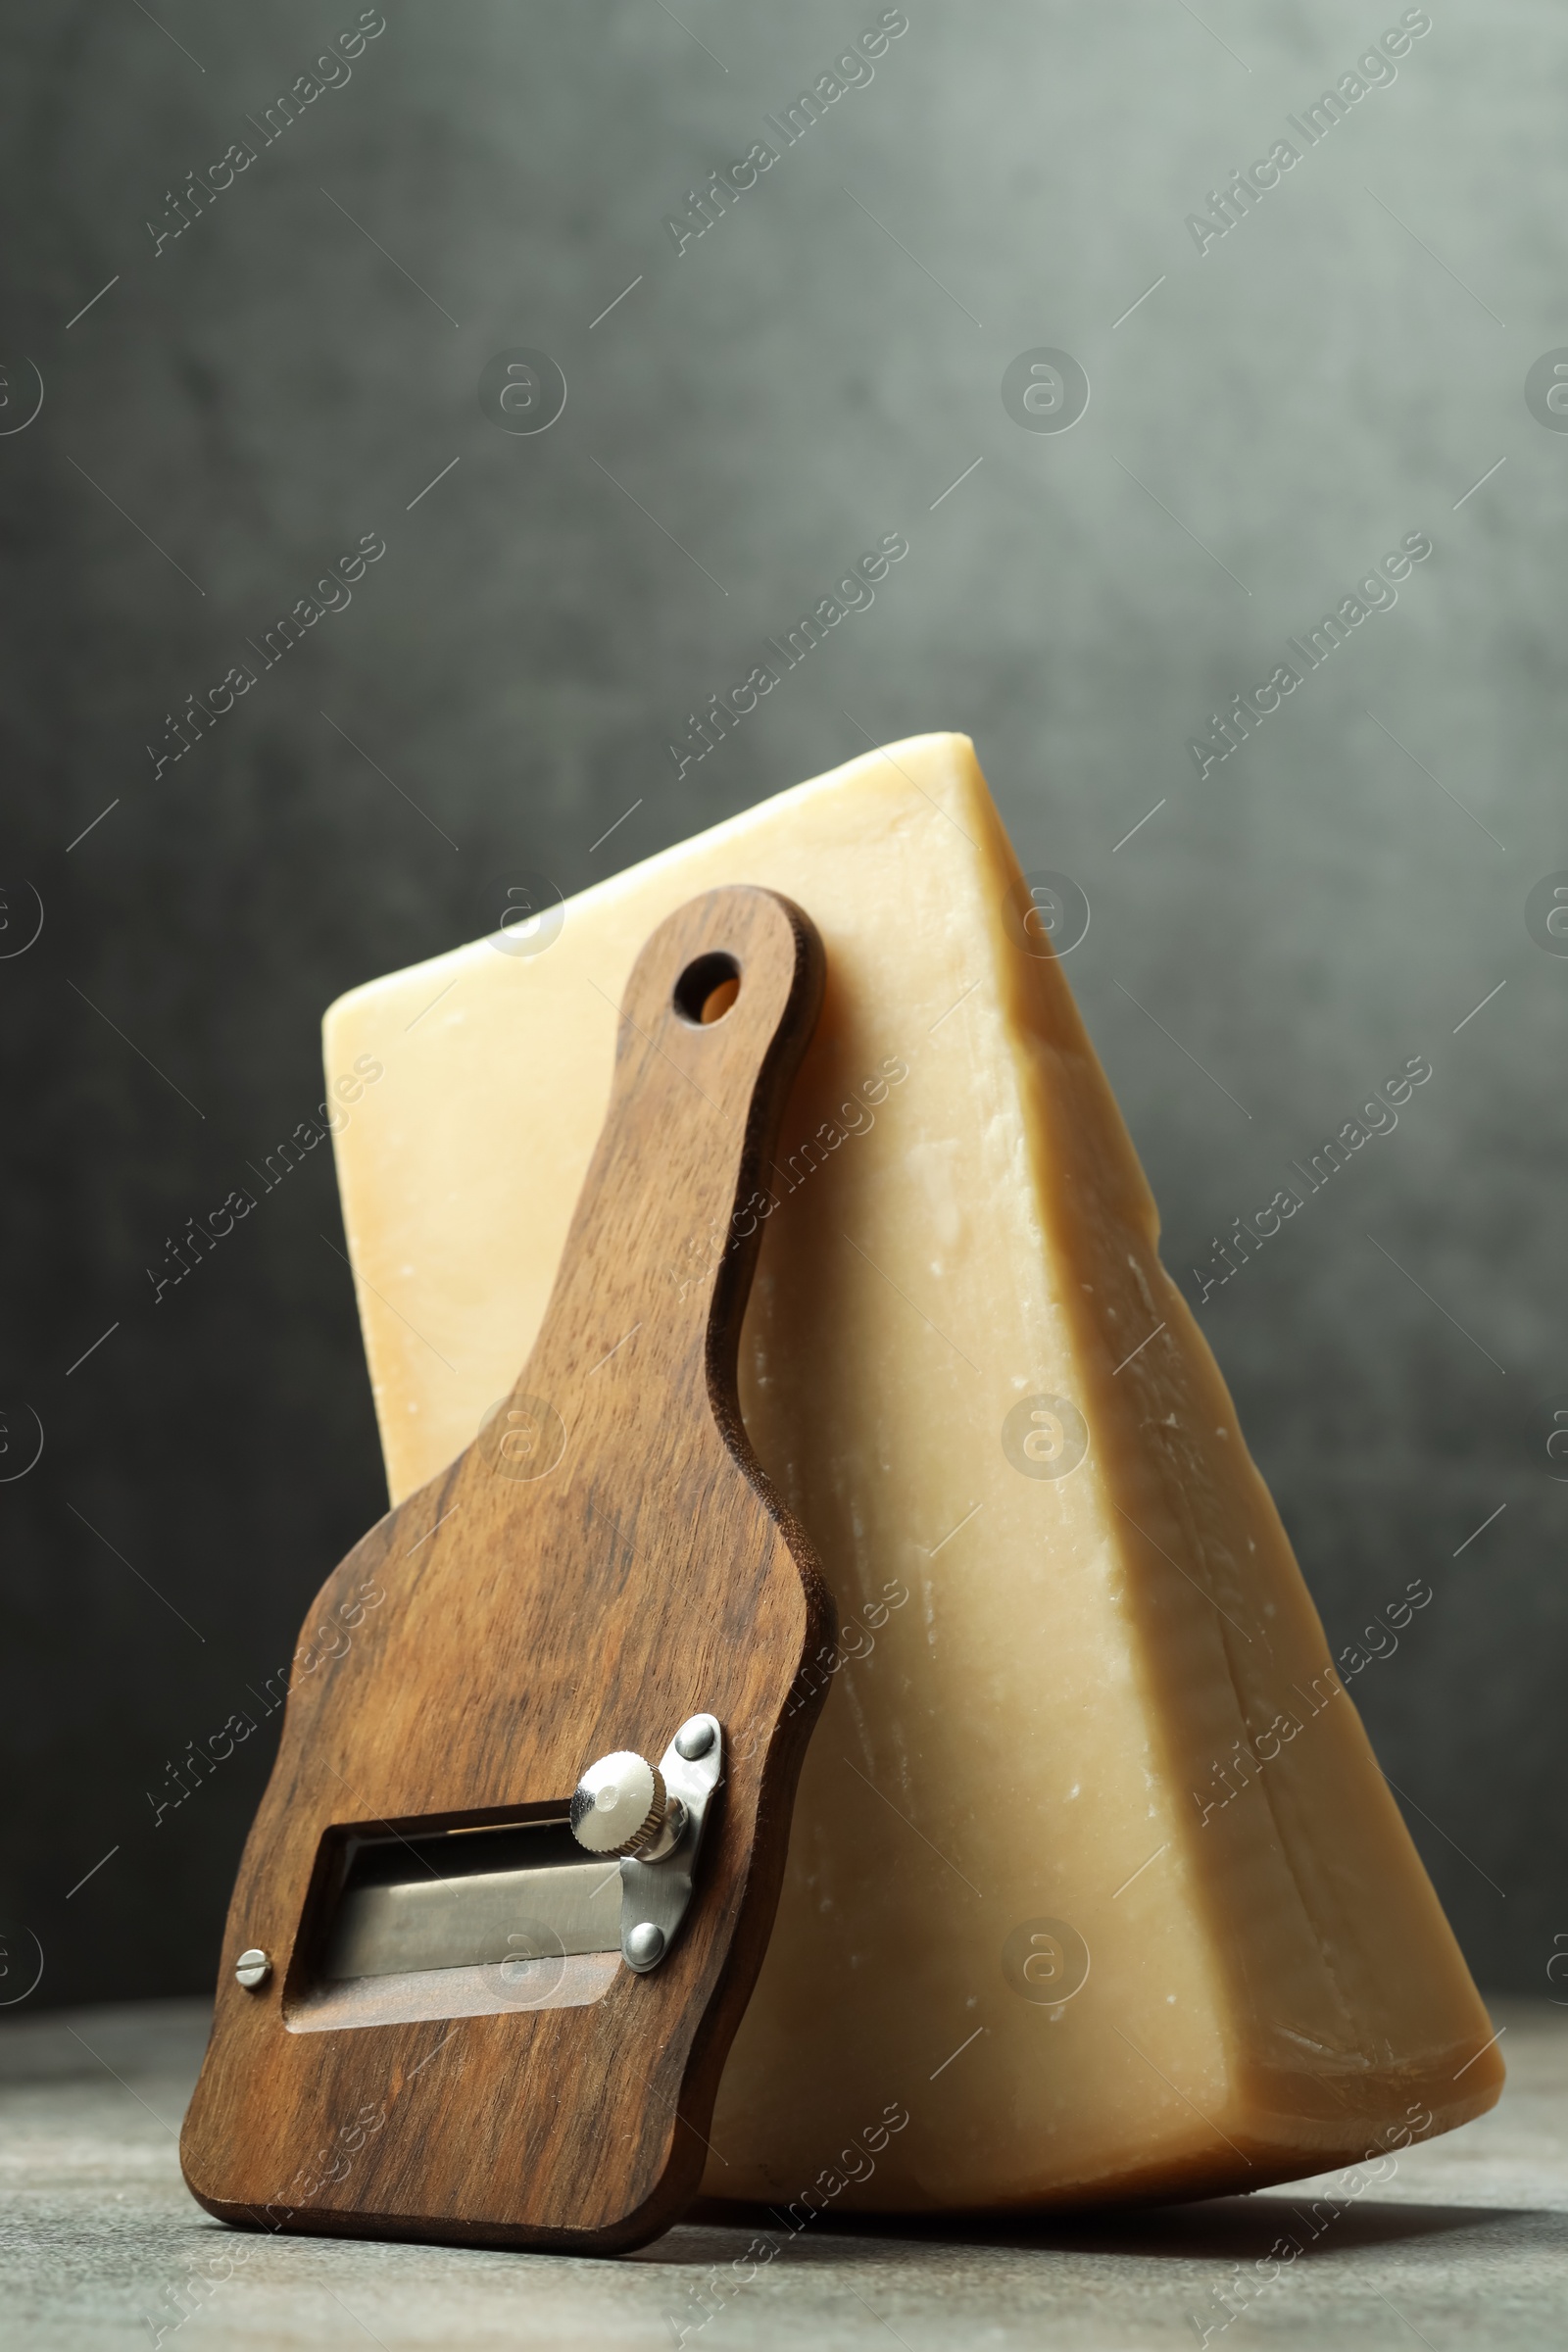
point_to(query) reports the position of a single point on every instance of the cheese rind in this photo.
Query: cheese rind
(1092, 1873)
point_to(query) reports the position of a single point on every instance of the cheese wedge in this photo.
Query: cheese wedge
(1094, 1888)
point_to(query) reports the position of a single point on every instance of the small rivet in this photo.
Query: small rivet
(252, 1968)
(645, 1944)
(694, 1739)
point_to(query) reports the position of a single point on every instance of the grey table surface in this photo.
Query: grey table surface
(1464, 2243)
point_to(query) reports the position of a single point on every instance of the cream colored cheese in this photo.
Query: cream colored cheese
(1022, 1772)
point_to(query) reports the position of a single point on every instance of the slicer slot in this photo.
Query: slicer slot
(461, 1922)
(470, 1898)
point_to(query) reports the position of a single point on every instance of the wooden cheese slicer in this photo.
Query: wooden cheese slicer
(513, 1875)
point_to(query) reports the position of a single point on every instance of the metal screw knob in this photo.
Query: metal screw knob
(252, 1968)
(622, 1806)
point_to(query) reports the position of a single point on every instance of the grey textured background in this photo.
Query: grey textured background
(1333, 374)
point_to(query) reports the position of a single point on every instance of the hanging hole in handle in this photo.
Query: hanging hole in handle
(707, 989)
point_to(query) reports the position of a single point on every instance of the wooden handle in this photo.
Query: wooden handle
(665, 1234)
(603, 1562)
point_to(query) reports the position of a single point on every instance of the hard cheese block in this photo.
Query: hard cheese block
(1094, 1886)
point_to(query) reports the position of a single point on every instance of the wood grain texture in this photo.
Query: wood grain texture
(526, 1625)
